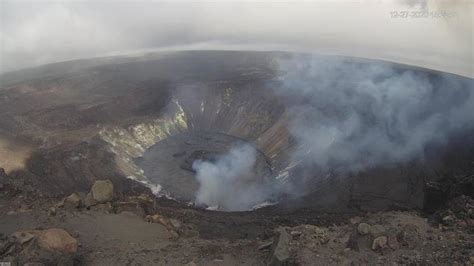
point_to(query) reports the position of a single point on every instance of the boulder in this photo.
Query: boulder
(49, 247)
(363, 228)
(102, 191)
(281, 252)
(55, 239)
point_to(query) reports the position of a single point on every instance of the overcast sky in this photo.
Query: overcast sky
(38, 32)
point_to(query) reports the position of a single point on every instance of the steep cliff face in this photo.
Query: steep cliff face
(114, 120)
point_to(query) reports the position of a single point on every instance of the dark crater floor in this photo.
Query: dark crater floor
(170, 161)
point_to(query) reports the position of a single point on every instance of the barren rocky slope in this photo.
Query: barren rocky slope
(137, 230)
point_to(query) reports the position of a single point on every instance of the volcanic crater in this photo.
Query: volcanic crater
(143, 121)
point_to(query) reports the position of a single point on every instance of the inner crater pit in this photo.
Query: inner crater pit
(171, 162)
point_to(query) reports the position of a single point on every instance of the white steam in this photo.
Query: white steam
(227, 184)
(346, 117)
(351, 116)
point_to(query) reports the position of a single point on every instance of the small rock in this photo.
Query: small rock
(55, 239)
(102, 191)
(89, 200)
(448, 220)
(73, 201)
(11, 213)
(265, 245)
(281, 253)
(295, 234)
(355, 220)
(175, 223)
(156, 218)
(379, 243)
(152, 218)
(363, 228)
(52, 211)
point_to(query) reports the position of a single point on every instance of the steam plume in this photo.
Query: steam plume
(226, 184)
(350, 116)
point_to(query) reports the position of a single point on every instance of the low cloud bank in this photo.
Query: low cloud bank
(39, 32)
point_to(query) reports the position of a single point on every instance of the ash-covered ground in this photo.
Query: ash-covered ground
(236, 158)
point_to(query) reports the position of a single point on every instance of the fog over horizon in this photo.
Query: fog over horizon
(33, 33)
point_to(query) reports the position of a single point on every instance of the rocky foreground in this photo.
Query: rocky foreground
(105, 228)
